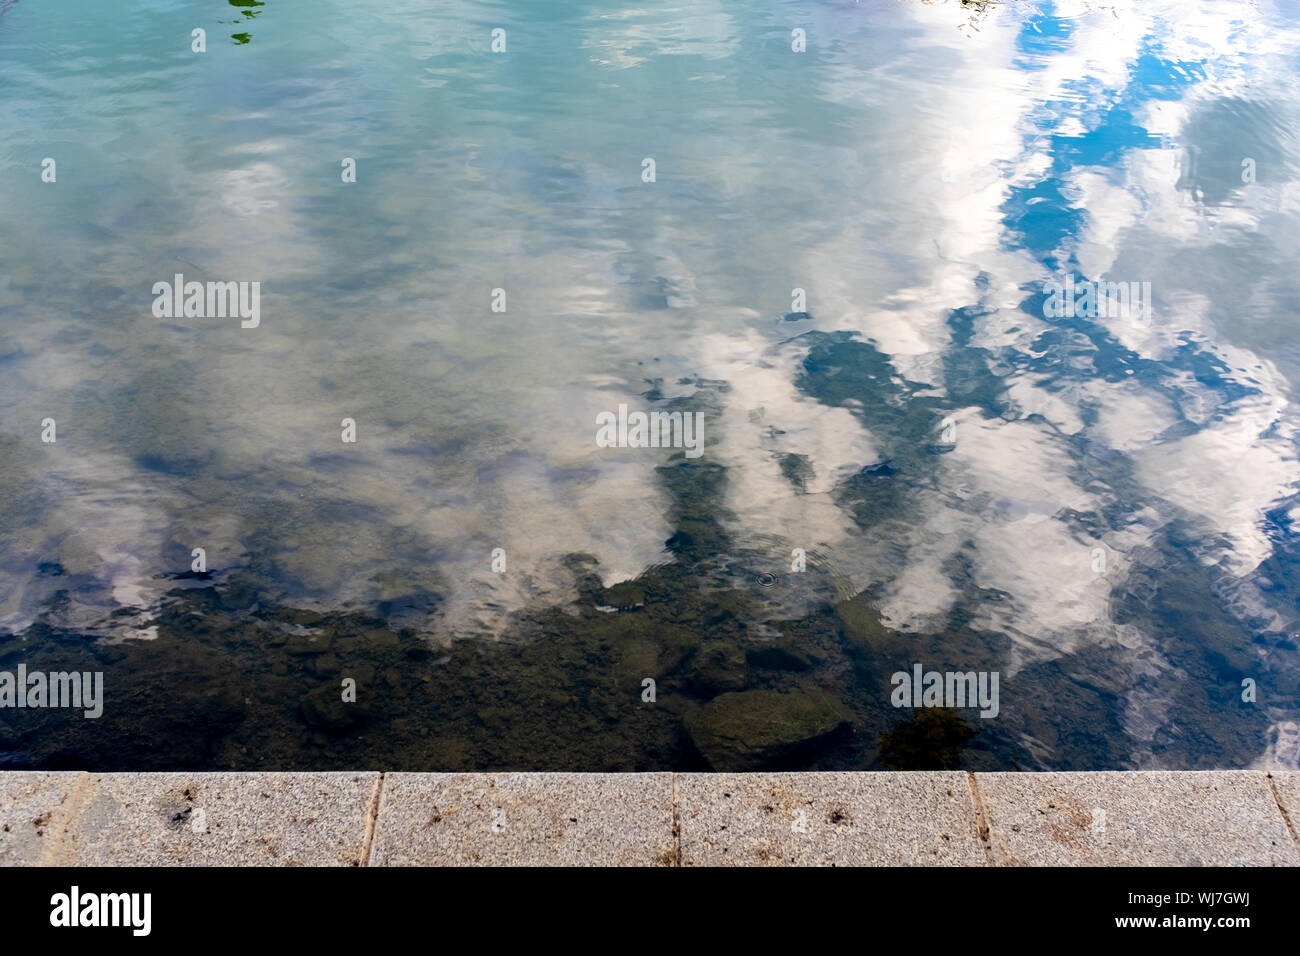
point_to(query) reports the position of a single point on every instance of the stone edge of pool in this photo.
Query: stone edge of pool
(942, 818)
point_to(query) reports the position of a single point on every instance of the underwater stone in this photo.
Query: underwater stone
(757, 729)
(325, 708)
(624, 596)
(718, 667)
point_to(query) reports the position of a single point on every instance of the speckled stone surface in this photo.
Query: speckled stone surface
(34, 807)
(654, 819)
(1211, 818)
(525, 819)
(822, 819)
(1286, 787)
(254, 819)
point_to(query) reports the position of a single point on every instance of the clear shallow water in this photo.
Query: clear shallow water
(951, 459)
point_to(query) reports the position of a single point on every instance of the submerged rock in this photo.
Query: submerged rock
(765, 729)
(624, 596)
(718, 667)
(325, 709)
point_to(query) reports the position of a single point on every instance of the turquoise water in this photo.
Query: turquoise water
(1097, 507)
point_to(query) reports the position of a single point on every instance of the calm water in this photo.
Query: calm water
(1099, 508)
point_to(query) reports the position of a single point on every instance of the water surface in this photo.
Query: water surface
(1097, 508)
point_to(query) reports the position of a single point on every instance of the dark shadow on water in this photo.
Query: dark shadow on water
(932, 740)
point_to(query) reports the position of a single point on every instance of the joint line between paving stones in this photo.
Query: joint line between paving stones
(677, 826)
(65, 819)
(1281, 808)
(982, 828)
(372, 819)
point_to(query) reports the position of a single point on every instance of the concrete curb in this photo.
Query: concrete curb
(1127, 818)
